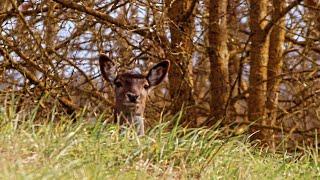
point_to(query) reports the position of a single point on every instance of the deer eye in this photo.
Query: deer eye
(118, 84)
(146, 86)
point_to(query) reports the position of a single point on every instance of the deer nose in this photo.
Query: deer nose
(132, 97)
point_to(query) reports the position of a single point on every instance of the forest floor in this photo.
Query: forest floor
(84, 150)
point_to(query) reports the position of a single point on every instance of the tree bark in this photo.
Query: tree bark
(219, 56)
(277, 38)
(258, 65)
(180, 77)
(234, 63)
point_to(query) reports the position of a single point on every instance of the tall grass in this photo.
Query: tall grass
(94, 150)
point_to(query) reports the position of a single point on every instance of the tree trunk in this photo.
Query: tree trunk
(277, 38)
(180, 78)
(234, 61)
(258, 65)
(219, 56)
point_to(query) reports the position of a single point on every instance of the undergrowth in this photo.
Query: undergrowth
(95, 150)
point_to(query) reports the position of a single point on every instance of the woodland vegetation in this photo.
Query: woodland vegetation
(247, 66)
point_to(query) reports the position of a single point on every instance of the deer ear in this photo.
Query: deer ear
(157, 74)
(107, 68)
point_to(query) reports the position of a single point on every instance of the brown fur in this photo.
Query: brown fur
(131, 90)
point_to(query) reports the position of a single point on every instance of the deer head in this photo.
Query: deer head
(131, 90)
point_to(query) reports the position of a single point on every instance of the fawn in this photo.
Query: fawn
(131, 90)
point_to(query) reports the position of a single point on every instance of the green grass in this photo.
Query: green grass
(93, 150)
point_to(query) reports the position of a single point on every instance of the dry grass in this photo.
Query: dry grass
(93, 150)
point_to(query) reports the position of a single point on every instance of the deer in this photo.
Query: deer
(131, 90)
